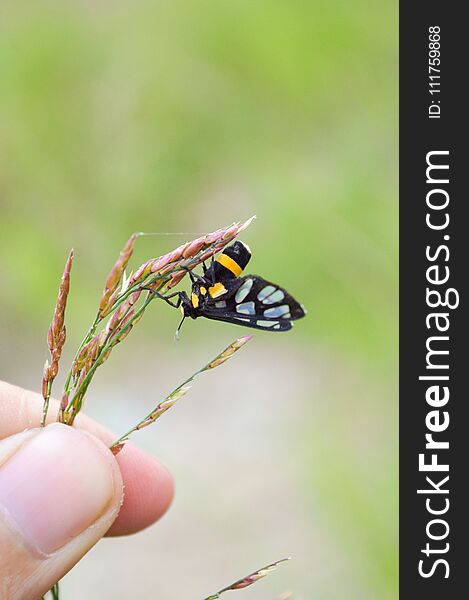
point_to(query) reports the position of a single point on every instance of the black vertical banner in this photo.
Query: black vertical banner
(434, 356)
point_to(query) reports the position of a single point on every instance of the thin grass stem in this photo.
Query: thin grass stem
(180, 391)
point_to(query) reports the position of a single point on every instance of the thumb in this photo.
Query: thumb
(60, 491)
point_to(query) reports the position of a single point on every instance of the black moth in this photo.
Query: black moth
(222, 295)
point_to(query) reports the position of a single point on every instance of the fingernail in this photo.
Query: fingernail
(56, 485)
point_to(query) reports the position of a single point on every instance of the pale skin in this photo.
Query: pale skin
(61, 490)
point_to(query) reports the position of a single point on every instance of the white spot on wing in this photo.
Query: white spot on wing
(221, 304)
(277, 296)
(278, 311)
(244, 290)
(265, 292)
(247, 308)
(268, 324)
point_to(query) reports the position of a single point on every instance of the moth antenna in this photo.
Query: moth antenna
(141, 233)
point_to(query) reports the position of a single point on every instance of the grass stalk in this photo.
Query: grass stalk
(179, 392)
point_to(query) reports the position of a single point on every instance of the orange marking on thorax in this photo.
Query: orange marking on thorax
(230, 264)
(216, 290)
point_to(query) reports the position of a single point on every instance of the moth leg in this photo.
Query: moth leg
(194, 276)
(212, 269)
(167, 298)
(209, 270)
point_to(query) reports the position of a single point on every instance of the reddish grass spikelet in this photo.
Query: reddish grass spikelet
(215, 236)
(63, 406)
(64, 402)
(143, 270)
(231, 231)
(104, 356)
(124, 327)
(193, 247)
(113, 322)
(121, 331)
(107, 302)
(87, 354)
(83, 374)
(133, 298)
(45, 379)
(121, 313)
(179, 252)
(188, 255)
(94, 348)
(56, 336)
(175, 279)
(116, 449)
(248, 580)
(228, 352)
(115, 276)
(206, 255)
(159, 263)
(137, 318)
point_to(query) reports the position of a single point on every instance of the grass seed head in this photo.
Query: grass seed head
(228, 352)
(188, 255)
(115, 276)
(249, 579)
(56, 335)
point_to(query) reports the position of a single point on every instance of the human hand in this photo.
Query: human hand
(61, 490)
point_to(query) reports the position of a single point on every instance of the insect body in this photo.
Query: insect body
(222, 294)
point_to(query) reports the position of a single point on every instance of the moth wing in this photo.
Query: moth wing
(265, 299)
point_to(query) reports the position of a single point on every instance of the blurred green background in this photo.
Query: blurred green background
(181, 117)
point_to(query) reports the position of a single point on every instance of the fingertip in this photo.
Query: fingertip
(60, 490)
(148, 491)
